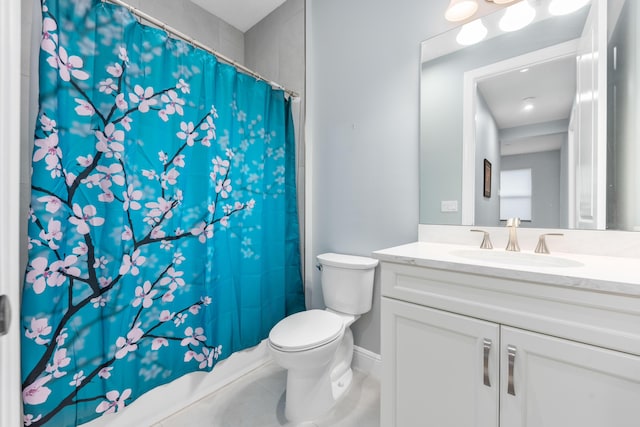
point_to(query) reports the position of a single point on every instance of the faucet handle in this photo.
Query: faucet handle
(542, 248)
(486, 240)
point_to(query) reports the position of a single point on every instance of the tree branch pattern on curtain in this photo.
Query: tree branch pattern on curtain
(163, 232)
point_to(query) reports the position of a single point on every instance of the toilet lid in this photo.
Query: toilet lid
(305, 330)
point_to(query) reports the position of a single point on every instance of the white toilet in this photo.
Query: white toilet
(316, 346)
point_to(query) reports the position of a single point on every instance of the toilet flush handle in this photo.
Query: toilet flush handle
(319, 266)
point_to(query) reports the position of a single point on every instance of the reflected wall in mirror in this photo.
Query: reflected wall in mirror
(557, 98)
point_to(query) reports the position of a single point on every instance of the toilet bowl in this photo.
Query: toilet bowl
(316, 346)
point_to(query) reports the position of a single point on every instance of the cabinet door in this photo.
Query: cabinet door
(561, 383)
(434, 368)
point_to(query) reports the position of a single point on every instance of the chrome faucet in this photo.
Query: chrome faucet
(512, 224)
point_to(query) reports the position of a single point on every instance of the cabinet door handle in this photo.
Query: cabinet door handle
(487, 350)
(511, 352)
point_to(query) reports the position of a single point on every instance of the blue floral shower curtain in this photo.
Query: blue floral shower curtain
(163, 232)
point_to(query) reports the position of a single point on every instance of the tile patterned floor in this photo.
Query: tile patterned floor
(257, 400)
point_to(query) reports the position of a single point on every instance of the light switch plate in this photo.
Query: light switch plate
(449, 206)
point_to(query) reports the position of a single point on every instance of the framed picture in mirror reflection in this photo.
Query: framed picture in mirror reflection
(487, 178)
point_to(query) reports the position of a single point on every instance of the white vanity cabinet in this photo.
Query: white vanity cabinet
(433, 368)
(461, 349)
(559, 382)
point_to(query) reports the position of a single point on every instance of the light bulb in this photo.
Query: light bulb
(472, 33)
(565, 7)
(459, 10)
(517, 16)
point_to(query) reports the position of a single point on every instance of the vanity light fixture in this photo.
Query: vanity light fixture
(472, 33)
(517, 16)
(565, 7)
(459, 10)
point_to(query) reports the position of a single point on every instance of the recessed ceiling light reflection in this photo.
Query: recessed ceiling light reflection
(527, 104)
(472, 33)
(565, 7)
(517, 16)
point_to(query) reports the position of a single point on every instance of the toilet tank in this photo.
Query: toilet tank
(347, 282)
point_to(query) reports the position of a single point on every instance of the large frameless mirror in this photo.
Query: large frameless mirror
(552, 100)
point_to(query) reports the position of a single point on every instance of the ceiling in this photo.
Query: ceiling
(552, 87)
(242, 14)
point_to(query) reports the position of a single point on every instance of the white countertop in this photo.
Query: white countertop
(600, 273)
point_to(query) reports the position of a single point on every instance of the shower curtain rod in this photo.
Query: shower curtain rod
(168, 29)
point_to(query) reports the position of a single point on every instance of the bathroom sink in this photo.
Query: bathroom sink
(516, 258)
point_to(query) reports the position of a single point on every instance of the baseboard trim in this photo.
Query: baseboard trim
(367, 361)
(164, 401)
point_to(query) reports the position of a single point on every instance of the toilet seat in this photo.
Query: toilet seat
(306, 330)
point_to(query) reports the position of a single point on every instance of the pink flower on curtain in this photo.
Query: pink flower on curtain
(193, 337)
(144, 295)
(131, 263)
(223, 187)
(143, 97)
(130, 197)
(84, 108)
(83, 217)
(49, 37)
(110, 140)
(187, 132)
(36, 393)
(68, 66)
(115, 401)
(60, 360)
(41, 275)
(47, 147)
(38, 328)
(128, 344)
(203, 231)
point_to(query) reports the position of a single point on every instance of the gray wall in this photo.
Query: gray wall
(362, 129)
(487, 209)
(545, 186)
(275, 47)
(196, 22)
(441, 93)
